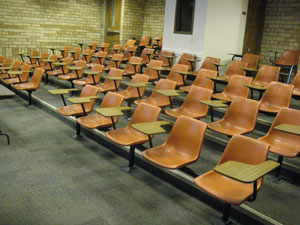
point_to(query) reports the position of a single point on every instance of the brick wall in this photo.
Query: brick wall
(41, 24)
(281, 28)
(154, 18)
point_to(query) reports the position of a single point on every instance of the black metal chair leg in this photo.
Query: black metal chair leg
(226, 212)
(130, 166)
(29, 98)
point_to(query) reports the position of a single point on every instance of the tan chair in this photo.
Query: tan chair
(61, 70)
(111, 99)
(75, 74)
(178, 78)
(32, 85)
(153, 74)
(93, 46)
(128, 53)
(15, 67)
(296, 83)
(157, 44)
(115, 62)
(182, 147)
(99, 59)
(282, 143)
(2, 59)
(207, 63)
(146, 55)
(156, 98)
(111, 85)
(22, 78)
(65, 52)
(288, 61)
(277, 95)
(41, 62)
(251, 59)
(6, 63)
(183, 57)
(241, 149)
(115, 50)
(33, 61)
(234, 88)
(167, 62)
(129, 43)
(240, 117)
(75, 54)
(201, 80)
(130, 69)
(234, 68)
(104, 47)
(86, 57)
(192, 107)
(49, 66)
(144, 41)
(128, 136)
(91, 79)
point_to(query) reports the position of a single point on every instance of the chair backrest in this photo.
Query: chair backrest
(251, 59)
(7, 62)
(100, 60)
(105, 45)
(68, 61)
(163, 84)
(266, 74)
(44, 56)
(76, 51)
(96, 68)
(89, 90)
(234, 68)
(164, 59)
(242, 113)
(79, 63)
(128, 54)
(145, 40)
(89, 56)
(2, 58)
(287, 116)
(201, 79)
(278, 95)
(289, 57)
(246, 150)
(65, 54)
(94, 45)
(113, 64)
(130, 68)
(128, 43)
(145, 55)
(116, 49)
(187, 136)
(207, 63)
(150, 72)
(16, 65)
(176, 76)
(114, 72)
(144, 113)
(235, 86)
(296, 82)
(192, 101)
(24, 76)
(37, 77)
(183, 57)
(138, 78)
(112, 99)
(52, 67)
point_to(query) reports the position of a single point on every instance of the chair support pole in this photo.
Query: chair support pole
(29, 98)
(280, 159)
(77, 128)
(131, 157)
(226, 212)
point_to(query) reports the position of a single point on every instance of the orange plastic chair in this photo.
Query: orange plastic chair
(87, 56)
(111, 99)
(111, 85)
(183, 57)
(42, 63)
(178, 78)
(91, 79)
(15, 67)
(61, 70)
(115, 50)
(115, 62)
(49, 66)
(241, 149)
(207, 63)
(93, 46)
(157, 44)
(99, 59)
(240, 117)
(201, 80)
(251, 59)
(156, 98)
(296, 83)
(32, 85)
(75, 74)
(104, 47)
(22, 78)
(234, 68)
(129, 43)
(182, 147)
(234, 88)
(128, 53)
(282, 143)
(2, 59)
(65, 52)
(153, 74)
(192, 107)
(144, 41)
(167, 62)
(75, 54)
(33, 62)
(277, 95)
(266, 74)
(288, 60)
(7, 62)
(147, 55)
(130, 69)
(128, 136)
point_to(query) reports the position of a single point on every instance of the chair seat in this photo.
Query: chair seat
(153, 101)
(167, 157)
(183, 111)
(95, 121)
(226, 128)
(269, 108)
(55, 72)
(70, 110)
(26, 86)
(105, 88)
(223, 188)
(186, 88)
(81, 82)
(11, 81)
(281, 147)
(223, 96)
(129, 95)
(127, 136)
(68, 76)
(5, 76)
(296, 92)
